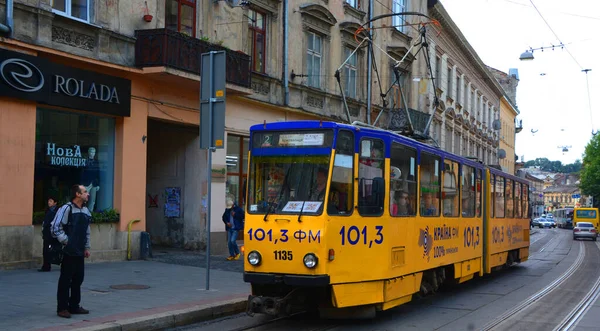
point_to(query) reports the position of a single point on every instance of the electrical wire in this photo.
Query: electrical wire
(544, 19)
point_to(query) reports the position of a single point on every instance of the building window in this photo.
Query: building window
(449, 82)
(181, 16)
(350, 74)
(73, 148)
(257, 39)
(236, 160)
(78, 9)
(458, 88)
(353, 3)
(399, 98)
(398, 21)
(313, 59)
(438, 72)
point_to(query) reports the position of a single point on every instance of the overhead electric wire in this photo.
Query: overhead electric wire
(565, 47)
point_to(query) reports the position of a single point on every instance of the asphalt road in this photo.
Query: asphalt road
(539, 294)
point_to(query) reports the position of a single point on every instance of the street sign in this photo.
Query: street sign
(212, 124)
(212, 100)
(576, 196)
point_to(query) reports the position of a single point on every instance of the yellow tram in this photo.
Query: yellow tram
(356, 219)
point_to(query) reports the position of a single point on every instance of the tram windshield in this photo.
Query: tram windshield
(290, 184)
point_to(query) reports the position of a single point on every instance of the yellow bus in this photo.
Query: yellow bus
(586, 215)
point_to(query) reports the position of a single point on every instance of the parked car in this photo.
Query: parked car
(585, 230)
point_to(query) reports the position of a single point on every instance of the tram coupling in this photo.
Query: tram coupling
(268, 305)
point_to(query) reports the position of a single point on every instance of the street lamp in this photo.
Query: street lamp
(528, 54)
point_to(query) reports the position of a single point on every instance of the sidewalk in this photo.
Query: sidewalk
(165, 292)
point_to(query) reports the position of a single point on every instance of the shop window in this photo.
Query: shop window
(371, 190)
(403, 180)
(77, 9)
(236, 159)
(430, 185)
(257, 39)
(74, 148)
(341, 191)
(181, 16)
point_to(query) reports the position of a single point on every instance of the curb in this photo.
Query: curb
(175, 318)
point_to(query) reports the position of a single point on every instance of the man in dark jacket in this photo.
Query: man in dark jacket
(46, 234)
(233, 217)
(71, 226)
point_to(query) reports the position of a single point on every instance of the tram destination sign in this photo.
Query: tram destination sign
(38, 79)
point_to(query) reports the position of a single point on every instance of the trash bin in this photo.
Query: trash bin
(145, 246)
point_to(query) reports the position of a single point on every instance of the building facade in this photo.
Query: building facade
(112, 103)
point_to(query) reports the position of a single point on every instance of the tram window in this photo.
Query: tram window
(499, 197)
(341, 190)
(467, 194)
(518, 200)
(510, 203)
(450, 188)
(493, 194)
(525, 196)
(478, 202)
(430, 185)
(403, 180)
(371, 185)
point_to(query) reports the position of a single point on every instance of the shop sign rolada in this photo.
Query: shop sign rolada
(37, 79)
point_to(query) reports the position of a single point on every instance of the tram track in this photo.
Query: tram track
(511, 313)
(571, 320)
(264, 325)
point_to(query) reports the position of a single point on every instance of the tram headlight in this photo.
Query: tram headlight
(254, 258)
(310, 260)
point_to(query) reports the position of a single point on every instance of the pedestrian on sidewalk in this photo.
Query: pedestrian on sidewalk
(71, 226)
(46, 233)
(233, 217)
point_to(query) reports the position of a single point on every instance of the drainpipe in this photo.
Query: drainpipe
(286, 86)
(369, 66)
(10, 26)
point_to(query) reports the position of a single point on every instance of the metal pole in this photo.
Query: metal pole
(370, 65)
(209, 172)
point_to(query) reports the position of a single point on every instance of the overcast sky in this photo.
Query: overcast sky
(552, 93)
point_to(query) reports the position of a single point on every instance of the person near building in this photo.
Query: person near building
(233, 217)
(46, 233)
(71, 227)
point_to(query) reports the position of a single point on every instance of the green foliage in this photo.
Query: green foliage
(106, 216)
(590, 174)
(555, 166)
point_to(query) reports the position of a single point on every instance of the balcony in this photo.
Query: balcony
(167, 48)
(518, 126)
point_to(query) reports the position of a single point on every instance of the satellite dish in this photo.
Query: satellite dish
(501, 154)
(496, 125)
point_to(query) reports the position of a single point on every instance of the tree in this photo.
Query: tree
(590, 173)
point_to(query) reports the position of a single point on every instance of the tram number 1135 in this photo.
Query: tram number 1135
(283, 255)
